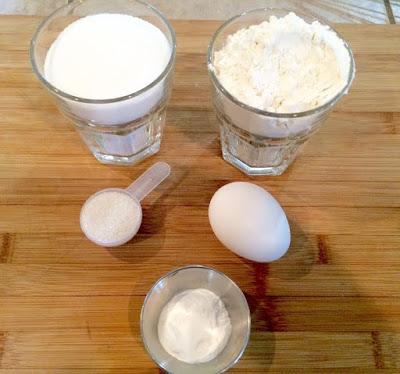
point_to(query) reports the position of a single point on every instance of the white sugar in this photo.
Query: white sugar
(110, 217)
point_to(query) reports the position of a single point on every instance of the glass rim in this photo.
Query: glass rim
(171, 274)
(324, 107)
(66, 95)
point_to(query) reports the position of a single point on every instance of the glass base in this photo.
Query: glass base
(254, 170)
(256, 155)
(126, 144)
(128, 160)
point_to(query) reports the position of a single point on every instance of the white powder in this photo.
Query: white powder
(283, 65)
(106, 56)
(194, 326)
(110, 217)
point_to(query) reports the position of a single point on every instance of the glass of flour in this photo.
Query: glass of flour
(275, 77)
(109, 65)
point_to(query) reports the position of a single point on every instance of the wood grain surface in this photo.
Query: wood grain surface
(353, 11)
(332, 304)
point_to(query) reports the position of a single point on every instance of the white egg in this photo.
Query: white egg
(249, 222)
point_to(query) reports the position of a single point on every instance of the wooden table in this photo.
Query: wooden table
(67, 306)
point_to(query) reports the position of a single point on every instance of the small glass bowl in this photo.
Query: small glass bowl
(256, 141)
(192, 277)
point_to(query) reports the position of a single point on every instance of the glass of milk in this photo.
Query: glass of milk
(259, 141)
(109, 66)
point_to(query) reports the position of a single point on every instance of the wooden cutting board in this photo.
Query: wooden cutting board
(67, 306)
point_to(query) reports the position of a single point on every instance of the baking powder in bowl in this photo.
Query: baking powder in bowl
(194, 326)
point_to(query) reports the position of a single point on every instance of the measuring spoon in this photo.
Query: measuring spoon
(100, 219)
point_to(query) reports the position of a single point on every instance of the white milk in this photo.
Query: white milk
(108, 56)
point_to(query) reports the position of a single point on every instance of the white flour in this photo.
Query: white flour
(283, 65)
(194, 326)
(106, 56)
(110, 217)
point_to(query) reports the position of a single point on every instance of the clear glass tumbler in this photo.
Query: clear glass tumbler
(256, 141)
(122, 130)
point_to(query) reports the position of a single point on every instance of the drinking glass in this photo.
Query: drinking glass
(122, 130)
(259, 142)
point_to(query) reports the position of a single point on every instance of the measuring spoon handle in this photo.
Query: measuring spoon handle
(149, 180)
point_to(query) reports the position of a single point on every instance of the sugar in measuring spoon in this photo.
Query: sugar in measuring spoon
(113, 216)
